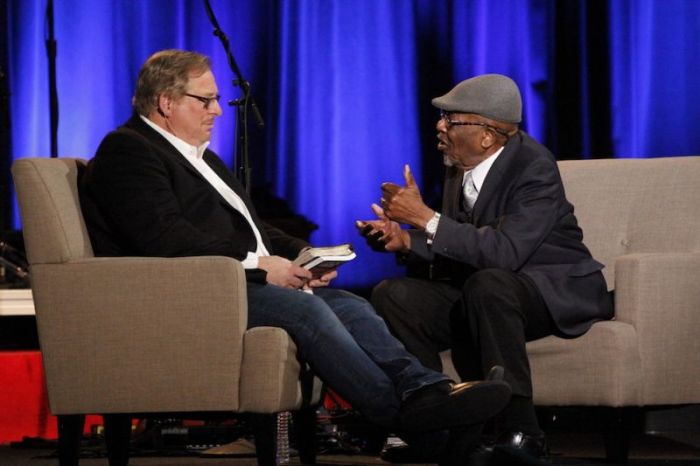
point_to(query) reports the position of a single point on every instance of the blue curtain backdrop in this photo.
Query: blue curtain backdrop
(655, 88)
(345, 85)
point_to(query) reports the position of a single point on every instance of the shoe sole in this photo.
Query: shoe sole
(473, 405)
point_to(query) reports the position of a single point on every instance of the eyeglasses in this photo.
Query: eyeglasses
(445, 116)
(205, 100)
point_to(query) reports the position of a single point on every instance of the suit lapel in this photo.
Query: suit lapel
(451, 198)
(493, 181)
(227, 176)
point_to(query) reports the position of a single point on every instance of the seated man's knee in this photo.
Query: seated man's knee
(313, 310)
(386, 296)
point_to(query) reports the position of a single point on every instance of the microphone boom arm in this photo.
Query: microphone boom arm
(241, 104)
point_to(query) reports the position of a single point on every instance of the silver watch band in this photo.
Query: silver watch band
(432, 225)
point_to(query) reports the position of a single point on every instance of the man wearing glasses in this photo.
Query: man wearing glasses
(154, 189)
(506, 259)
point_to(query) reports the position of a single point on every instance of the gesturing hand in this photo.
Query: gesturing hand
(383, 234)
(404, 204)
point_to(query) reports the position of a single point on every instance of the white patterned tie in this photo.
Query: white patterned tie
(470, 192)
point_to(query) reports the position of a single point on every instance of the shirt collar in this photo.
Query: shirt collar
(482, 169)
(186, 149)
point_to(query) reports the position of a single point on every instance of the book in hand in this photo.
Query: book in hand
(324, 259)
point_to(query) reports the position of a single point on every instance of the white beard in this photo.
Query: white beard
(448, 162)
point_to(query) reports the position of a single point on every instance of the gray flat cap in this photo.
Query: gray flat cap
(493, 96)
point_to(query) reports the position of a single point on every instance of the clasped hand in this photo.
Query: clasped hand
(282, 272)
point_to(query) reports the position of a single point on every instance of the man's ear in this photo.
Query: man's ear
(488, 140)
(165, 105)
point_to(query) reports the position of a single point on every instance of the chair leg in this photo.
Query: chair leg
(305, 434)
(265, 433)
(117, 436)
(618, 424)
(70, 430)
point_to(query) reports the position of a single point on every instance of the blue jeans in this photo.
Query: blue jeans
(346, 344)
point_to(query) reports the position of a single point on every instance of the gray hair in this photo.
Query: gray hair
(166, 72)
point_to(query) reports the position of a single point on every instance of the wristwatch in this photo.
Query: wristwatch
(431, 226)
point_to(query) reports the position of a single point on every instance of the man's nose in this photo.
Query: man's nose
(216, 108)
(441, 125)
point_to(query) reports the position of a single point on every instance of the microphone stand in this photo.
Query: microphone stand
(19, 270)
(53, 92)
(241, 104)
(13, 268)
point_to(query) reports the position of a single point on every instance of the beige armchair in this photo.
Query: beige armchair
(641, 218)
(128, 335)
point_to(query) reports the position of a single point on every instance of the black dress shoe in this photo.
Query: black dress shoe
(496, 373)
(444, 405)
(534, 445)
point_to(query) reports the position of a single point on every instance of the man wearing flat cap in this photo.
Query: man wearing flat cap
(507, 261)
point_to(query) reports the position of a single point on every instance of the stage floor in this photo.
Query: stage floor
(567, 449)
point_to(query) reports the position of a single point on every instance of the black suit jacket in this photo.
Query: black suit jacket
(141, 197)
(521, 222)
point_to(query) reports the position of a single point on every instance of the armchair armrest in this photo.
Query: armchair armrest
(137, 334)
(658, 294)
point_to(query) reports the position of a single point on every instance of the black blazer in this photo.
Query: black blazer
(140, 197)
(521, 222)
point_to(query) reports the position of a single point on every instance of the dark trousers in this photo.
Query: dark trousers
(485, 323)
